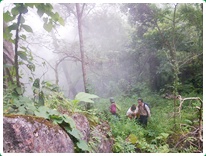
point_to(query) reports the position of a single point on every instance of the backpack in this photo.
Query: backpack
(113, 108)
(145, 107)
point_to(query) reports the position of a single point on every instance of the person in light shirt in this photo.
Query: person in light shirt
(132, 112)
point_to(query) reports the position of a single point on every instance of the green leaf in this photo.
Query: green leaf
(159, 137)
(48, 6)
(48, 27)
(22, 55)
(7, 34)
(69, 120)
(48, 9)
(61, 21)
(132, 138)
(82, 144)
(36, 83)
(31, 106)
(42, 112)
(23, 37)
(15, 11)
(45, 19)
(24, 48)
(56, 119)
(30, 79)
(55, 113)
(31, 5)
(7, 17)
(22, 19)
(17, 103)
(165, 135)
(21, 62)
(75, 133)
(31, 66)
(41, 99)
(40, 12)
(163, 149)
(14, 26)
(67, 128)
(24, 100)
(27, 28)
(19, 90)
(85, 97)
(55, 17)
(188, 121)
(22, 110)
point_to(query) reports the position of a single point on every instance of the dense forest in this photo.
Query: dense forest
(73, 57)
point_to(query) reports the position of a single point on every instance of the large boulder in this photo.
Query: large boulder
(82, 124)
(101, 136)
(30, 134)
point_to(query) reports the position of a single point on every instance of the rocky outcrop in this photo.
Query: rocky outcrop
(101, 135)
(28, 134)
(82, 124)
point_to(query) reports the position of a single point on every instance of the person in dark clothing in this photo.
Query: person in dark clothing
(113, 107)
(144, 112)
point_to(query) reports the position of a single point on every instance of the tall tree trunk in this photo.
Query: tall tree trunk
(174, 64)
(171, 45)
(79, 18)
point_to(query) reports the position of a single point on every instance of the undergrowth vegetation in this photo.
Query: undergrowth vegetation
(54, 106)
(162, 135)
(165, 132)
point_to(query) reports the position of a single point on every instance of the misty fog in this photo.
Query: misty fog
(105, 33)
(119, 53)
(101, 72)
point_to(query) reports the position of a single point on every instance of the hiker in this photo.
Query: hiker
(113, 107)
(144, 111)
(132, 112)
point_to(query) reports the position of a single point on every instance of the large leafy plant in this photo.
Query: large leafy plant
(54, 100)
(46, 106)
(58, 101)
(17, 105)
(66, 122)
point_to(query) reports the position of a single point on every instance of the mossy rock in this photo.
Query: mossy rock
(30, 134)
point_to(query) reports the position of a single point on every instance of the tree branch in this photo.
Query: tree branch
(185, 137)
(162, 36)
(189, 59)
(89, 11)
(81, 13)
(69, 9)
(184, 99)
(200, 114)
(45, 61)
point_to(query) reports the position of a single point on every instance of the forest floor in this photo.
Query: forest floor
(165, 132)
